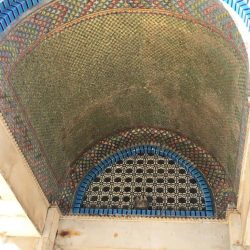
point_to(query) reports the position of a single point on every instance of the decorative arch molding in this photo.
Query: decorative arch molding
(144, 149)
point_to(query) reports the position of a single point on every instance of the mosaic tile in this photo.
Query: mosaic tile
(50, 18)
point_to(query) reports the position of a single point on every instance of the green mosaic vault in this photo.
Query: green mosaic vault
(76, 72)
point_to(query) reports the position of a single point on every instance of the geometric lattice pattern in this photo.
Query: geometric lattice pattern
(147, 179)
(164, 184)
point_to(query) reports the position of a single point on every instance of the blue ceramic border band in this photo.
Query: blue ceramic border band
(148, 149)
(10, 10)
(241, 7)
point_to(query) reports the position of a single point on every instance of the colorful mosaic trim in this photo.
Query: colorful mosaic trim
(61, 12)
(145, 149)
(31, 30)
(212, 171)
(241, 7)
(10, 10)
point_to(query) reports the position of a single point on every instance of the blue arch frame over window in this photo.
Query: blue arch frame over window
(98, 169)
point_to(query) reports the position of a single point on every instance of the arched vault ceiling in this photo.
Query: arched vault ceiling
(128, 69)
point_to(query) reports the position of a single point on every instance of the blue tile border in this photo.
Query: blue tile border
(10, 10)
(148, 149)
(144, 213)
(242, 9)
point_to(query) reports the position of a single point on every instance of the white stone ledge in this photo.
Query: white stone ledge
(89, 233)
(21, 181)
